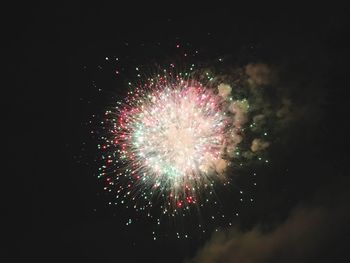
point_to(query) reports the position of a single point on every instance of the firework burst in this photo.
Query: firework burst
(171, 139)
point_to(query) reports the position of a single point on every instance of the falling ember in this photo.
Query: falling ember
(170, 141)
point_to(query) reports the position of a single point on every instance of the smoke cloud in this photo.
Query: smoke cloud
(260, 73)
(309, 229)
(258, 145)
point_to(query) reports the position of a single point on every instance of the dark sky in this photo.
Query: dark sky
(49, 204)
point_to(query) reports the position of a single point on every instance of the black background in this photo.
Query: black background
(49, 204)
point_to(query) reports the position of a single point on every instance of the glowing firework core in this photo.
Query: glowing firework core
(178, 132)
(173, 138)
(172, 133)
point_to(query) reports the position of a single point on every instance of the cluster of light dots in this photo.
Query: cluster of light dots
(164, 141)
(161, 145)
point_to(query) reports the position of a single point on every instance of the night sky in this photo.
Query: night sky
(55, 207)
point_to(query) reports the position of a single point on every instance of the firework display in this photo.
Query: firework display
(176, 133)
(171, 140)
(181, 146)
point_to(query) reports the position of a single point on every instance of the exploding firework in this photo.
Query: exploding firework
(171, 140)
